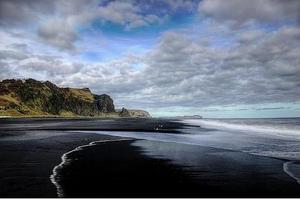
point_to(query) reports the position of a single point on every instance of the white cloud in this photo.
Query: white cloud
(61, 30)
(259, 65)
(240, 12)
(59, 33)
(18, 12)
(58, 21)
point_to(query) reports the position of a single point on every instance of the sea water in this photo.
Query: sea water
(279, 138)
(276, 138)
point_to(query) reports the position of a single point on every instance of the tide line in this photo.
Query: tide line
(59, 189)
(286, 169)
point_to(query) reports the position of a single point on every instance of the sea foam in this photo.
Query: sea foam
(248, 138)
(280, 130)
(269, 138)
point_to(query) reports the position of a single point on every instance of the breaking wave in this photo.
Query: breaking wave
(274, 127)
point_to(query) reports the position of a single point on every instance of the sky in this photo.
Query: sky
(214, 58)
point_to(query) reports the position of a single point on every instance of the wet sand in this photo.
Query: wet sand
(61, 124)
(31, 148)
(26, 165)
(158, 169)
(117, 169)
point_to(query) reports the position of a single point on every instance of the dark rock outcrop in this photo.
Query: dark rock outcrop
(139, 113)
(124, 113)
(104, 103)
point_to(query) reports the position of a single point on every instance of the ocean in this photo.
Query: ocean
(237, 157)
(279, 137)
(276, 138)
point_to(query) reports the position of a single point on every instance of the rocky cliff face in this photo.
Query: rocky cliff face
(124, 113)
(139, 113)
(104, 103)
(31, 97)
(133, 113)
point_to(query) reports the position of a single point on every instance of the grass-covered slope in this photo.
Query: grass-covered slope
(34, 98)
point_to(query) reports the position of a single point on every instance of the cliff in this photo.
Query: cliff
(31, 97)
(133, 113)
(139, 113)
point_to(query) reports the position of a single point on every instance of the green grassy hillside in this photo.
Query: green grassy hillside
(34, 98)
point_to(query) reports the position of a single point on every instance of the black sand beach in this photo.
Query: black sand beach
(31, 147)
(26, 165)
(64, 124)
(29, 151)
(121, 169)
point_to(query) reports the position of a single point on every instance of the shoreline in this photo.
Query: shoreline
(26, 164)
(129, 167)
(38, 151)
(84, 124)
(184, 184)
(131, 174)
(286, 169)
(64, 160)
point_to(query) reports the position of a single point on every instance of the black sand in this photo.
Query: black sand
(118, 169)
(30, 149)
(26, 165)
(121, 124)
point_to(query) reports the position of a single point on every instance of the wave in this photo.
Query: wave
(268, 139)
(279, 130)
(54, 178)
(292, 169)
(285, 149)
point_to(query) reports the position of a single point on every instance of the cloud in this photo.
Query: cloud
(116, 77)
(179, 71)
(60, 30)
(57, 22)
(18, 12)
(54, 67)
(128, 14)
(4, 70)
(20, 62)
(59, 33)
(183, 69)
(10, 54)
(182, 4)
(240, 12)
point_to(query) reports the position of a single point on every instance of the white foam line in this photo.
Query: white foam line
(286, 169)
(59, 189)
(263, 130)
